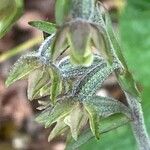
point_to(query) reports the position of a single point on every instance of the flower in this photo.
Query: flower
(80, 35)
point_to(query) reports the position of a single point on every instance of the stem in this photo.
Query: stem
(138, 125)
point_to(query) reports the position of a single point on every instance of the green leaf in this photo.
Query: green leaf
(44, 26)
(25, 65)
(62, 9)
(60, 110)
(10, 11)
(59, 128)
(93, 80)
(93, 120)
(106, 106)
(106, 125)
(68, 70)
(76, 120)
(37, 79)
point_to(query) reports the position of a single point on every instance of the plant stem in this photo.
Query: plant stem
(138, 125)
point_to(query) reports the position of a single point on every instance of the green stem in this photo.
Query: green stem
(138, 125)
(22, 47)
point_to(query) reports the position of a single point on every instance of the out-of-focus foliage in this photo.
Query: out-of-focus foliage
(135, 35)
(10, 11)
(44, 26)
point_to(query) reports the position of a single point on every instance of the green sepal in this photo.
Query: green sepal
(37, 80)
(25, 65)
(60, 110)
(94, 120)
(59, 128)
(76, 120)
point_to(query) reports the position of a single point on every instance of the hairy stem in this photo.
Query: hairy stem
(138, 125)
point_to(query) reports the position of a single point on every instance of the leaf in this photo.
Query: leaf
(44, 26)
(76, 120)
(36, 81)
(106, 126)
(62, 9)
(93, 80)
(25, 65)
(60, 110)
(93, 120)
(106, 106)
(59, 128)
(10, 11)
(68, 70)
